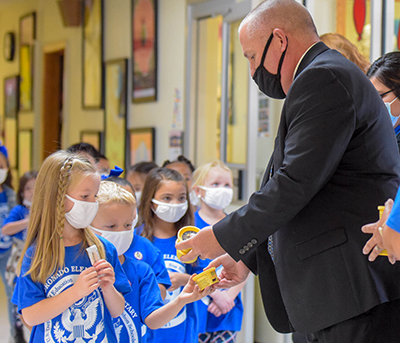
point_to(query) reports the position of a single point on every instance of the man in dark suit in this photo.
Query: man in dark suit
(335, 160)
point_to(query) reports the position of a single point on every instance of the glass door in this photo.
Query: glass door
(218, 79)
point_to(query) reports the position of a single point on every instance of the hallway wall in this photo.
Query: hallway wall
(51, 35)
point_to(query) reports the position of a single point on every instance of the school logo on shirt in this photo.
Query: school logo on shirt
(173, 264)
(125, 326)
(83, 321)
(138, 255)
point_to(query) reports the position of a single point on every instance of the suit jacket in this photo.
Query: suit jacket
(335, 160)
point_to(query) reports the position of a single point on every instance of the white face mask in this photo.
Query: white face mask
(170, 213)
(194, 199)
(27, 203)
(3, 175)
(82, 213)
(217, 197)
(138, 195)
(120, 239)
(135, 221)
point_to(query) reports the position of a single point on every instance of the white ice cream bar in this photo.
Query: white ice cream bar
(93, 253)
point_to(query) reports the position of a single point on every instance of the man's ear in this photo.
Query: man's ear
(280, 35)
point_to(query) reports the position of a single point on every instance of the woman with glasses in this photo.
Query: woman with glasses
(384, 74)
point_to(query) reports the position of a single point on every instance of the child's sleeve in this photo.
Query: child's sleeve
(15, 215)
(27, 292)
(159, 269)
(150, 297)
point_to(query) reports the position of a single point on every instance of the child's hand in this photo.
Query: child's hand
(223, 301)
(87, 282)
(191, 292)
(214, 309)
(106, 274)
(177, 280)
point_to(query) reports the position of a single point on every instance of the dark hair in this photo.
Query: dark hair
(100, 156)
(8, 181)
(84, 147)
(386, 69)
(153, 181)
(120, 181)
(142, 167)
(180, 159)
(22, 183)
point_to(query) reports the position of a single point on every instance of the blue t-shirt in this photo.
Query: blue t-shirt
(88, 320)
(143, 250)
(144, 299)
(232, 320)
(183, 328)
(7, 202)
(394, 218)
(18, 213)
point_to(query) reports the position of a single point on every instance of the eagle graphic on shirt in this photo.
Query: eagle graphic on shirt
(81, 323)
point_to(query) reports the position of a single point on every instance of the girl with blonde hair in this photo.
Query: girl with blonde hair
(220, 314)
(58, 289)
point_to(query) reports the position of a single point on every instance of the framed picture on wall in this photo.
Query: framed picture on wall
(92, 54)
(92, 137)
(27, 29)
(141, 145)
(115, 111)
(144, 54)
(25, 151)
(26, 79)
(11, 140)
(11, 96)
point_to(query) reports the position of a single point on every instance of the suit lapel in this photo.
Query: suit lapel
(276, 158)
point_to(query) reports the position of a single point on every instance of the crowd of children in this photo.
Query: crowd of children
(86, 260)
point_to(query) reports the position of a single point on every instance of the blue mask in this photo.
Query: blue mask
(393, 118)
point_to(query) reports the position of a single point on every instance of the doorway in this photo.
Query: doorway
(52, 114)
(218, 86)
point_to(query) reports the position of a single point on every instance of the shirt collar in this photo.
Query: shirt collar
(301, 58)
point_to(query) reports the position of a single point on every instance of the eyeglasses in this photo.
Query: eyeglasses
(383, 94)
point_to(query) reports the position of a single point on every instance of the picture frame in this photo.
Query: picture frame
(11, 96)
(25, 151)
(27, 29)
(144, 50)
(94, 138)
(11, 140)
(92, 54)
(26, 78)
(141, 145)
(116, 104)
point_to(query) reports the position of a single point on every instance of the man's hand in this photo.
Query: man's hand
(203, 244)
(232, 274)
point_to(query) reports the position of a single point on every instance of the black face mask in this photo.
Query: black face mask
(268, 83)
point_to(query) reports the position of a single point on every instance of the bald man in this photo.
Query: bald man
(334, 162)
